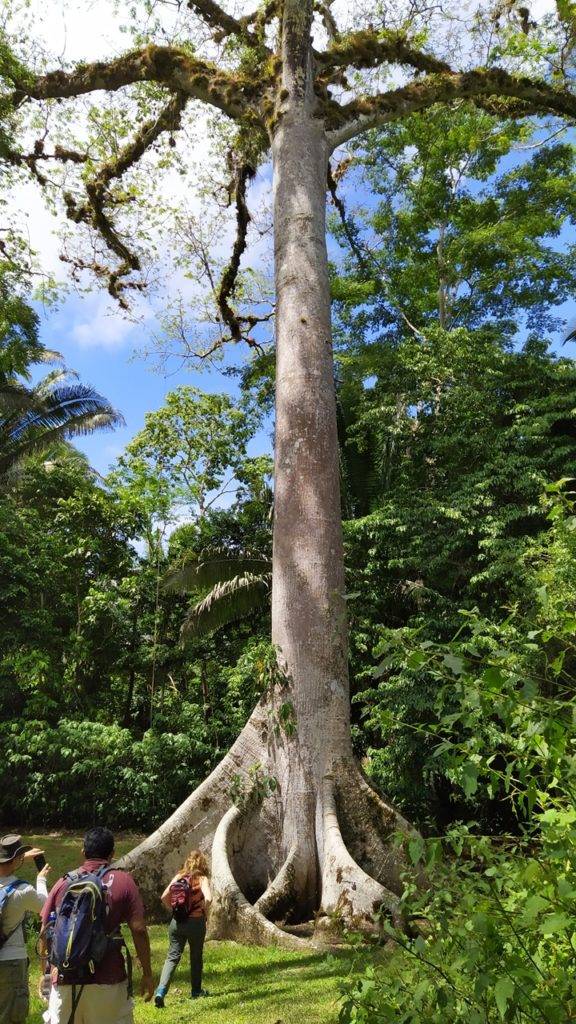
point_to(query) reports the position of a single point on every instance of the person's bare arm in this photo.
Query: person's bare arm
(43, 954)
(165, 897)
(141, 940)
(207, 891)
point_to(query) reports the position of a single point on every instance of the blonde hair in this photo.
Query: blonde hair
(195, 864)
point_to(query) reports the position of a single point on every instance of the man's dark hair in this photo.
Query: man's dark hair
(98, 844)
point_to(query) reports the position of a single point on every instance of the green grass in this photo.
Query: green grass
(247, 984)
(63, 851)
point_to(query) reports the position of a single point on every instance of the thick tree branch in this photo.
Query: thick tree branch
(492, 89)
(328, 19)
(218, 19)
(262, 17)
(239, 326)
(94, 212)
(367, 49)
(224, 25)
(178, 71)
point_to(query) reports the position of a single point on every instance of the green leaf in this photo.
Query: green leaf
(532, 907)
(493, 678)
(469, 780)
(455, 664)
(530, 689)
(556, 923)
(416, 849)
(503, 992)
(416, 659)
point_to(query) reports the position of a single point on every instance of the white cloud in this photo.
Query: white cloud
(101, 325)
(75, 31)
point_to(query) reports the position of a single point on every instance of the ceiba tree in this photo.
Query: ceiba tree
(293, 826)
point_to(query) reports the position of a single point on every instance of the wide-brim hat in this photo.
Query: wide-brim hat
(10, 847)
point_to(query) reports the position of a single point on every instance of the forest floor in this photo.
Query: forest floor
(247, 984)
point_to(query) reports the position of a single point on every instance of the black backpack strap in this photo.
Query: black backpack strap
(75, 1001)
(129, 971)
(119, 938)
(73, 876)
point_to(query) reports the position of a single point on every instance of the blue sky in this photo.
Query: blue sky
(104, 352)
(101, 348)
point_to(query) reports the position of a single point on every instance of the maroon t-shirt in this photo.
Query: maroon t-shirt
(125, 903)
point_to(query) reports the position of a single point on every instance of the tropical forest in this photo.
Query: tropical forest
(288, 493)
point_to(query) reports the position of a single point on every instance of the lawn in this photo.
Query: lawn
(247, 985)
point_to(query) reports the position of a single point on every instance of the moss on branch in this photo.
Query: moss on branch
(218, 19)
(494, 89)
(60, 154)
(239, 326)
(367, 49)
(167, 65)
(94, 212)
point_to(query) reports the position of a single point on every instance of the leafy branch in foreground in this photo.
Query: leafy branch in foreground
(498, 924)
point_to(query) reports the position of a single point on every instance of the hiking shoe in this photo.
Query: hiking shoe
(159, 1002)
(198, 995)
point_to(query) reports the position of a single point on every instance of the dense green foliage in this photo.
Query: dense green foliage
(93, 672)
(460, 506)
(498, 933)
(454, 410)
(454, 414)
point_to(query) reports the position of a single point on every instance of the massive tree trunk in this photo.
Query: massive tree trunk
(318, 843)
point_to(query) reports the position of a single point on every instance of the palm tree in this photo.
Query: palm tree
(239, 584)
(54, 410)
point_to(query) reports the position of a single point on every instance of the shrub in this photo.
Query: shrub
(83, 772)
(499, 943)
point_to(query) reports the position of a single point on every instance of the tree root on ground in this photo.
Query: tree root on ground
(232, 916)
(281, 893)
(270, 855)
(349, 894)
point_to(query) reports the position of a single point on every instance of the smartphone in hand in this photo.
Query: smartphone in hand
(40, 861)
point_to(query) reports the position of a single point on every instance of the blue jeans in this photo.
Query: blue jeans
(193, 932)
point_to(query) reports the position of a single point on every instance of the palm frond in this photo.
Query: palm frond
(208, 571)
(56, 378)
(31, 419)
(49, 355)
(227, 602)
(14, 397)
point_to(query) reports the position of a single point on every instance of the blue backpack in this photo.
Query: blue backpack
(79, 938)
(5, 894)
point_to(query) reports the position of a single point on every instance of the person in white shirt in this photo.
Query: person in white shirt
(23, 898)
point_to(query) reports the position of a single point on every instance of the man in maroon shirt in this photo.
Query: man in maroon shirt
(104, 998)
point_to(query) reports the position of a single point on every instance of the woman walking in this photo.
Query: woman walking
(188, 897)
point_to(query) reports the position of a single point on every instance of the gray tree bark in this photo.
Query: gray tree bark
(320, 843)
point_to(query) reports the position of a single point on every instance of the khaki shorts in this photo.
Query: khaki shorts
(98, 1004)
(13, 991)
